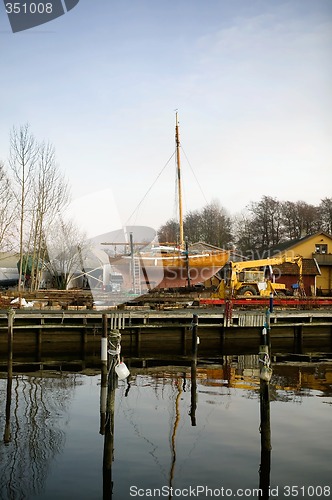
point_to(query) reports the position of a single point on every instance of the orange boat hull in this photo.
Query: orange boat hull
(171, 271)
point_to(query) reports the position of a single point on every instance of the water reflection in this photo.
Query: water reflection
(36, 418)
(88, 436)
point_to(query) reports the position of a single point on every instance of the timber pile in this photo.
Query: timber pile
(50, 299)
(84, 299)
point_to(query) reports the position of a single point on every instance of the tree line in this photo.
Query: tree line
(260, 226)
(33, 192)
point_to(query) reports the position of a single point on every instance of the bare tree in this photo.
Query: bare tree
(193, 226)
(50, 195)
(325, 212)
(7, 211)
(23, 157)
(245, 234)
(211, 225)
(169, 232)
(65, 246)
(267, 221)
(299, 219)
(215, 225)
(292, 227)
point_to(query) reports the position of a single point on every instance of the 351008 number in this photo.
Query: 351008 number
(29, 8)
(310, 491)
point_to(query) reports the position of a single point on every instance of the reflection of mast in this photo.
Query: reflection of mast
(265, 427)
(175, 426)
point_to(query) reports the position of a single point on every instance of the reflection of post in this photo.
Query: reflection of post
(103, 398)
(193, 390)
(265, 427)
(7, 435)
(175, 427)
(109, 434)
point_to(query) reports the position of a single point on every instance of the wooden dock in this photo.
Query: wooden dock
(76, 335)
(142, 318)
(149, 319)
(146, 319)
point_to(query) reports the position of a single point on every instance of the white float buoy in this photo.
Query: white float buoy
(122, 371)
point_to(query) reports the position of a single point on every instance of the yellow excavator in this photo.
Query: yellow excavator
(249, 279)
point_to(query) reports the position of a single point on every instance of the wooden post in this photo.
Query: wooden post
(194, 336)
(7, 433)
(298, 331)
(103, 398)
(187, 264)
(10, 315)
(222, 338)
(104, 340)
(228, 312)
(183, 341)
(84, 341)
(138, 342)
(109, 434)
(193, 391)
(265, 426)
(39, 344)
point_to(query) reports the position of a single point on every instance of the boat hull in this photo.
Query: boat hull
(169, 271)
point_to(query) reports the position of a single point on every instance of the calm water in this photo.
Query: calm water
(56, 449)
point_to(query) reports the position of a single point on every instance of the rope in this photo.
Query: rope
(148, 191)
(192, 171)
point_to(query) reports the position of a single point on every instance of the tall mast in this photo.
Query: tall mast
(177, 142)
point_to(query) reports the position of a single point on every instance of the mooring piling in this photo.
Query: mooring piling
(193, 391)
(104, 340)
(265, 426)
(7, 433)
(194, 336)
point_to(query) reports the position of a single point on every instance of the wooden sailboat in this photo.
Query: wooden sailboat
(161, 267)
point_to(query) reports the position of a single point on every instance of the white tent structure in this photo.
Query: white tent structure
(92, 270)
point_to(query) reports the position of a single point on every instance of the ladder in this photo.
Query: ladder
(137, 276)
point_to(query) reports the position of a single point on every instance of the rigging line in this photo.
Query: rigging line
(154, 182)
(193, 172)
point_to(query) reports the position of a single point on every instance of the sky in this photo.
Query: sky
(251, 80)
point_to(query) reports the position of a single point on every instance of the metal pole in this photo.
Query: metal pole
(271, 302)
